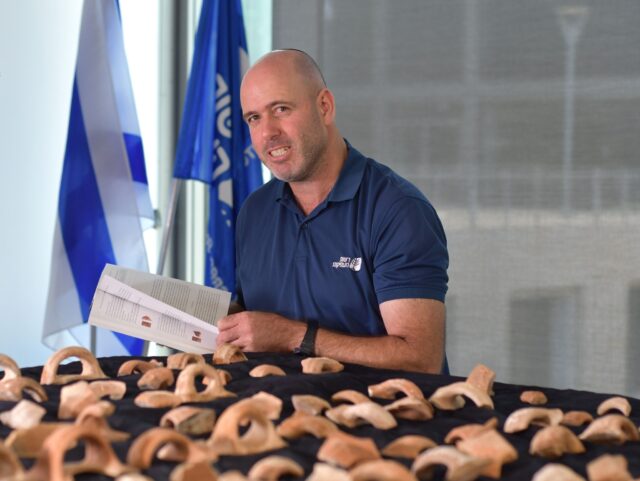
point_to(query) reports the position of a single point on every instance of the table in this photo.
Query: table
(128, 417)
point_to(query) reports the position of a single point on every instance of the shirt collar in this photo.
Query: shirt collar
(350, 176)
(348, 181)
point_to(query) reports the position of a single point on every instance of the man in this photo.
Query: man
(337, 256)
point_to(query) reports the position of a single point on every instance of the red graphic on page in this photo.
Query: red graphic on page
(196, 336)
(146, 321)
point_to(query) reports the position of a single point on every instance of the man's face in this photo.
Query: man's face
(287, 129)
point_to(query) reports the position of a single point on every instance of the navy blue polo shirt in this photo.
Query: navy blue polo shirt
(374, 238)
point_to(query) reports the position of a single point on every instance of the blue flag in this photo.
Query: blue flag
(214, 145)
(104, 195)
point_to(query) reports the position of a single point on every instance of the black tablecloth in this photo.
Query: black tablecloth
(135, 420)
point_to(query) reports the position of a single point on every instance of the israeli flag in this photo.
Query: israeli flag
(104, 195)
(214, 145)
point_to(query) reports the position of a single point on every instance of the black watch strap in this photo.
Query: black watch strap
(308, 345)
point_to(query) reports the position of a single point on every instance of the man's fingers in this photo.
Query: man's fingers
(227, 322)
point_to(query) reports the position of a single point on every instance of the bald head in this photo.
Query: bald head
(291, 62)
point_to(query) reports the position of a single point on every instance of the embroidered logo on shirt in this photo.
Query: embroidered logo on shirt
(353, 263)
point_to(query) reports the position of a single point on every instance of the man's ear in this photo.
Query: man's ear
(326, 105)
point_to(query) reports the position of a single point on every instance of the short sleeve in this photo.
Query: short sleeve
(410, 252)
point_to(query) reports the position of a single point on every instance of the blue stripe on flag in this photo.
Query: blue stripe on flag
(136, 157)
(82, 220)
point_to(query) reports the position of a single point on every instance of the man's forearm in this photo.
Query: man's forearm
(388, 352)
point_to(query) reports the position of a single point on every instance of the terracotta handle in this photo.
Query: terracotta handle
(11, 369)
(186, 388)
(180, 360)
(12, 389)
(261, 435)
(144, 448)
(10, 466)
(99, 456)
(90, 367)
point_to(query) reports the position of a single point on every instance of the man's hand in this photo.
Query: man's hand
(255, 331)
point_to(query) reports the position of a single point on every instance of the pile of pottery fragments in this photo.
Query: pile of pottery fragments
(248, 426)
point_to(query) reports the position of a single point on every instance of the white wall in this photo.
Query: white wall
(38, 43)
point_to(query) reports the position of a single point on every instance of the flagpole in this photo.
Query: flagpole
(176, 184)
(168, 225)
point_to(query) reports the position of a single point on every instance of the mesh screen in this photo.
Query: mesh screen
(520, 121)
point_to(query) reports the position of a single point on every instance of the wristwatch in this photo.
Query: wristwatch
(308, 345)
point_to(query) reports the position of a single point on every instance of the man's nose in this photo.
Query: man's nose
(270, 127)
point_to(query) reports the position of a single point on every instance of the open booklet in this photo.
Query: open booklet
(168, 311)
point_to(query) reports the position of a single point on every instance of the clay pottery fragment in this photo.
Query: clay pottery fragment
(186, 388)
(320, 365)
(390, 388)
(345, 450)
(556, 472)
(490, 445)
(27, 442)
(328, 472)
(469, 431)
(180, 360)
(535, 398)
(10, 466)
(13, 389)
(576, 418)
(11, 368)
(157, 378)
(309, 404)
(408, 446)
(232, 475)
(298, 425)
(482, 378)
(224, 375)
(264, 370)
(144, 448)
(101, 409)
(74, 398)
(460, 466)
(553, 441)
(94, 416)
(174, 453)
(609, 467)
(189, 420)
(616, 403)
(610, 429)
(133, 477)
(411, 408)
(201, 471)
(521, 419)
(137, 366)
(352, 415)
(114, 389)
(272, 468)
(99, 456)
(24, 415)
(227, 354)
(451, 397)
(90, 366)
(349, 395)
(260, 436)
(272, 404)
(156, 399)
(381, 470)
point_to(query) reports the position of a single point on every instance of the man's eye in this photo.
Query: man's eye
(281, 108)
(251, 119)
